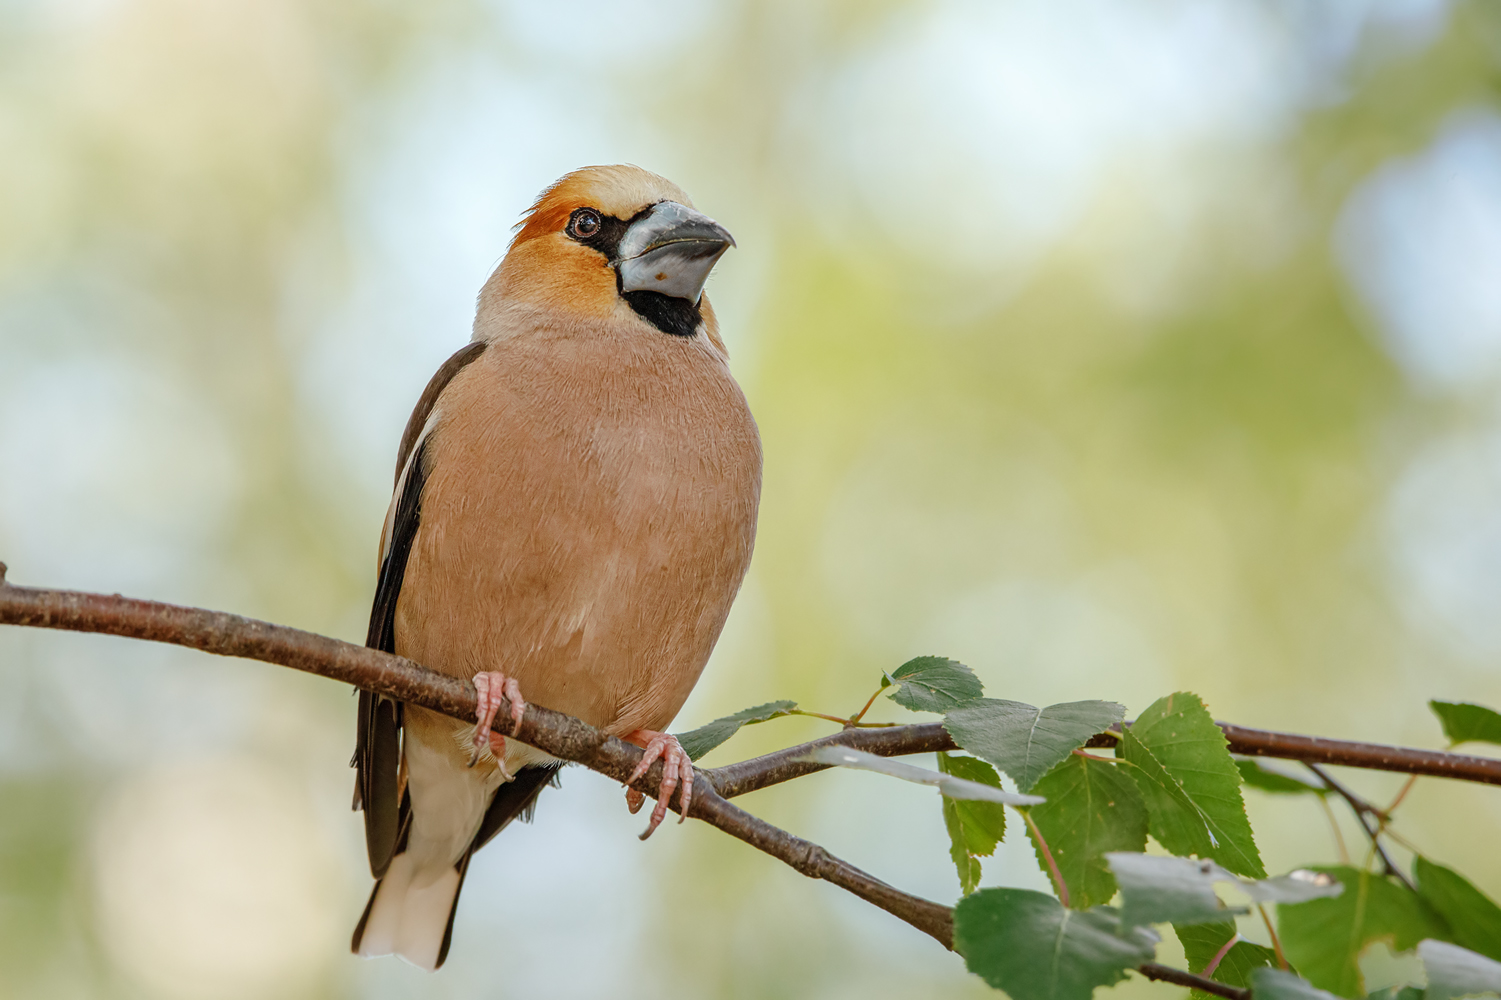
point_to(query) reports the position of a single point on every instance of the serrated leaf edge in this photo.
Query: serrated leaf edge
(1182, 792)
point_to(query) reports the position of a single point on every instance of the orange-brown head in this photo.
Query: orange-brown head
(612, 241)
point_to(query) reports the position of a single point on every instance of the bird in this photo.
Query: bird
(573, 514)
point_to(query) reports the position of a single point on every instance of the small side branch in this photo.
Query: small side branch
(1372, 756)
(1371, 819)
(930, 737)
(1167, 974)
(784, 765)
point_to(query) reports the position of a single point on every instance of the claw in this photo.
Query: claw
(492, 687)
(677, 772)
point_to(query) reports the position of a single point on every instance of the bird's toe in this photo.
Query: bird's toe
(492, 688)
(677, 773)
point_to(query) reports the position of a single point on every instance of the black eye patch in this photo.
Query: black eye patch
(606, 235)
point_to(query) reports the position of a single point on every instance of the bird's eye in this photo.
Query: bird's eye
(583, 224)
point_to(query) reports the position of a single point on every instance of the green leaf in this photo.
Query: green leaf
(1267, 779)
(1027, 944)
(1190, 783)
(967, 865)
(1472, 917)
(1324, 937)
(1091, 809)
(933, 684)
(1201, 942)
(1455, 972)
(1024, 741)
(974, 827)
(1464, 721)
(1156, 889)
(1274, 984)
(953, 787)
(705, 738)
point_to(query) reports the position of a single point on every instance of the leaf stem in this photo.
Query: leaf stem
(846, 723)
(1406, 787)
(1362, 810)
(1400, 839)
(1214, 963)
(1105, 760)
(1339, 838)
(1047, 856)
(1276, 942)
(855, 719)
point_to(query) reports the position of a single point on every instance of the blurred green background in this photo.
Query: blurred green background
(1110, 347)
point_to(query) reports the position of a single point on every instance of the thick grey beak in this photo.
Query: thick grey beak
(671, 250)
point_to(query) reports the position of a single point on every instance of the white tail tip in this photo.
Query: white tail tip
(409, 915)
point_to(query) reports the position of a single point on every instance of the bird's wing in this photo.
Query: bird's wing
(377, 753)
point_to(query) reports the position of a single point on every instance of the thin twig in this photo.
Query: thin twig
(854, 723)
(861, 714)
(1178, 977)
(1364, 811)
(1276, 941)
(1406, 787)
(1339, 838)
(561, 735)
(784, 765)
(1388, 831)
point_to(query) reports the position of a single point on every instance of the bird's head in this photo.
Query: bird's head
(613, 241)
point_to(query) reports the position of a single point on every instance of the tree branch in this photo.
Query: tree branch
(395, 677)
(784, 765)
(1372, 756)
(572, 739)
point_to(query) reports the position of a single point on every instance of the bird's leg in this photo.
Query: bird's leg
(677, 769)
(491, 686)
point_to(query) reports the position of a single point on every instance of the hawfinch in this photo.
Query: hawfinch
(574, 511)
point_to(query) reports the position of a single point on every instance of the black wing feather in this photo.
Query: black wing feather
(378, 741)
(377, 752)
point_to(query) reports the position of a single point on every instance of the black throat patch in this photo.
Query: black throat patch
(667, 313)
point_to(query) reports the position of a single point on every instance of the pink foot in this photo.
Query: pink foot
(677, 770)
(491, 686)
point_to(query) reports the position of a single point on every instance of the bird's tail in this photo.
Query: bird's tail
(410, 913)
(409, 916)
